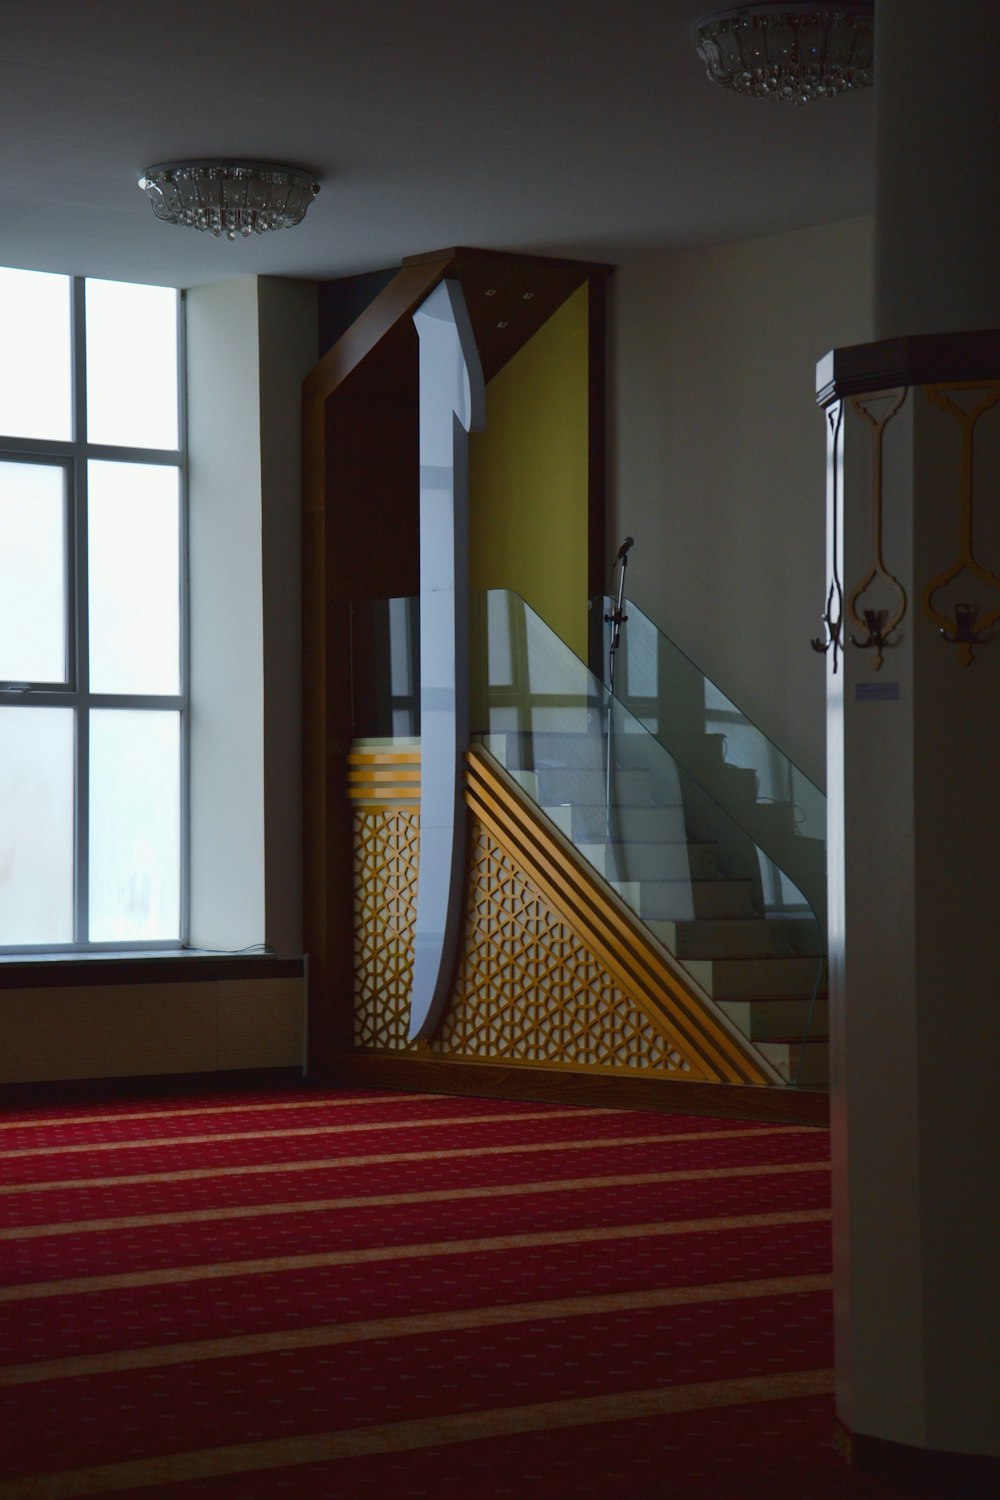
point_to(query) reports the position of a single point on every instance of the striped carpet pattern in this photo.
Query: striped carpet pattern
(335, 1294)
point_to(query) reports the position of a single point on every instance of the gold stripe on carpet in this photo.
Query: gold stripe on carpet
(172, 1275)
(209, 1108)
(324, 1335)
(324, 1163)
(400, 1437)
(215, 1138)
(398, 1200)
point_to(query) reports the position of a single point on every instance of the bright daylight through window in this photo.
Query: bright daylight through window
(92, 679)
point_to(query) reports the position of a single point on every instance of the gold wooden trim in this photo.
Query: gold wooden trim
(384, 758)
(379, 778)
(665, 995)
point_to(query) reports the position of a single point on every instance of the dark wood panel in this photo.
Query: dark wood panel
(185, 968)
(559, 1086)
(921, 359)
(361, 541)
(159, 1085)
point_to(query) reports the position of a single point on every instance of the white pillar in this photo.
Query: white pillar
(937, 145)
(914, 775)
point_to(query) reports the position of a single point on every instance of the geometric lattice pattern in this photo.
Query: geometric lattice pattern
(527, 991)
(385, 908)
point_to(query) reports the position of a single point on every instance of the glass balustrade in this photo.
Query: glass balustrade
(771, 799)
(648, 826)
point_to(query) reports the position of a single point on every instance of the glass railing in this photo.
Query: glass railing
(764, 792)
(631, 809)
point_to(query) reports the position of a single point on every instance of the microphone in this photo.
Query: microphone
(628, 543)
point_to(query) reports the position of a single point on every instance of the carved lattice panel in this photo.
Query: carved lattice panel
(385, 905)
(529, 991)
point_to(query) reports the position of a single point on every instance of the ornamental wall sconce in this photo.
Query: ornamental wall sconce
(878, 624)
(833, 615)
(230, 198)
(965, 623)
(968, 625)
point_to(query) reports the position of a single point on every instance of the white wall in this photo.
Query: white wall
(227, 690)
(250, 343)
(718, 456)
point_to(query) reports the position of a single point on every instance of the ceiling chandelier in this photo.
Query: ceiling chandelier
(795, 52)
(229, 197)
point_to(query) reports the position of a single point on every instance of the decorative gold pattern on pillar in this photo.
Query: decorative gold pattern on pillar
(878, 623)
(967, 626)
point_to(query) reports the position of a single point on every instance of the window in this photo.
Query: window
(92, 619)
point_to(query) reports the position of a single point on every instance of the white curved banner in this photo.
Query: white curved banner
(452, 403)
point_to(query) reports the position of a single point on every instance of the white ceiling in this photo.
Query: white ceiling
(554, 126)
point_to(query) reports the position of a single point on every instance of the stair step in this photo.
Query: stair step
(732, 784)
(733, 937)
(588, 824)
(807, 1064)
(750, 979)
(547, 748)
(780, 1020)
(679, 900)
(586, 785)
(676, 860)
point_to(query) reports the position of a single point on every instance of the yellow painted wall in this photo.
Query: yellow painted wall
(528, 476)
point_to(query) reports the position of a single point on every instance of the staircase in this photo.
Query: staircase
(691, 876)
(711, 839)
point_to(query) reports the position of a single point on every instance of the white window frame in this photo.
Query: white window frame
(74, 457)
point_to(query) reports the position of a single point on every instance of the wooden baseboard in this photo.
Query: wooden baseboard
(559, 1086)
(168, 1085)
(921, 1471)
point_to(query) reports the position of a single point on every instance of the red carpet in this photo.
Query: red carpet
(356, 1294)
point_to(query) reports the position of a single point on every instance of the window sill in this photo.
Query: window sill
(175, 966)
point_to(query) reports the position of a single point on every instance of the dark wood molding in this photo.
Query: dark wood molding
(920, 359)
(186, 968)
(342, 366)
(502, 259)
(498, 1080)
(922, 1471)
(360, 468)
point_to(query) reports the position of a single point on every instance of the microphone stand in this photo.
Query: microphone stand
(616, 619)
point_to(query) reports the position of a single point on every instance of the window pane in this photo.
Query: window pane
(35, 372)
(32, 573)
(134, 573)
(131, 365)
(134, 825)
(36, 829)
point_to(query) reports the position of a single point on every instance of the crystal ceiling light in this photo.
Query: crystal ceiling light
(229, 197)
(788, 51)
